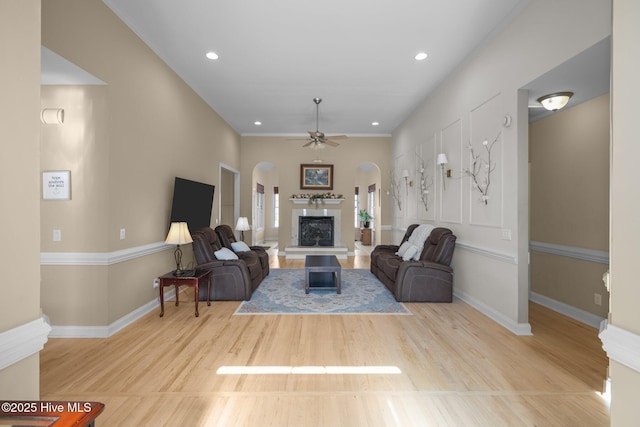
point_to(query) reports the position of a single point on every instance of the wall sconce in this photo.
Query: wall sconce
(178, 235)
(52, 116)
(405, 175)
(242, 225)
(442, 160)
(555, 101)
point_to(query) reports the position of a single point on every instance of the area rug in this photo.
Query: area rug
(282, 292)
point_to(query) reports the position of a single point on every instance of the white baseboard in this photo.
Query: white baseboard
(109, 330)
(501, 319)
(566, 309)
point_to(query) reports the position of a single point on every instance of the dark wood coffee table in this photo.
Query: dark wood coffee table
(322, 272)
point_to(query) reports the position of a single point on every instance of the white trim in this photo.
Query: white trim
(23, 341)
(501, 319)
(488, 252)
(591, 255)
(112, 329)
(566, 309)
(621, 345)
(101, 258)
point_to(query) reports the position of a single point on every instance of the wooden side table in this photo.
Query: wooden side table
(170, 280)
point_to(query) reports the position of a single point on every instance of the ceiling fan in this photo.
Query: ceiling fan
(318, 139)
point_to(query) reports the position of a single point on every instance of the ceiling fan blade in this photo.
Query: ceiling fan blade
(331, 143)
(308, 144)
(338, 136)
(313, 134)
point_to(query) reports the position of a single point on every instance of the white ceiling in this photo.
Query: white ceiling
(358, 56)
(276, 56)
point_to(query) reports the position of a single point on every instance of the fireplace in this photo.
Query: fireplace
(315, 231)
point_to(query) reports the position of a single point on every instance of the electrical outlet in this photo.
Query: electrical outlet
(506, 234)
(57, 235)
(123, 233)
(597, 299)
(156, 283)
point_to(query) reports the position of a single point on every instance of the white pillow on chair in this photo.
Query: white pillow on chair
(225, 254)
(240, 247)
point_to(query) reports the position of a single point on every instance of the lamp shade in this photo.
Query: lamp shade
(178, 234)
(442, 159)
(242, 224)
(555, 101)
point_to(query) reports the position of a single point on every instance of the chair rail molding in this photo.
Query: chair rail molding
(101, 258)
(488, 252)
(591, 255)
(23, 341)
(621, 345)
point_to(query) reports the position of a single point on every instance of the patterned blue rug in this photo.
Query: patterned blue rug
(282, 292)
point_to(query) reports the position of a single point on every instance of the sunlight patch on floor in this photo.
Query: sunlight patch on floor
(306, 370)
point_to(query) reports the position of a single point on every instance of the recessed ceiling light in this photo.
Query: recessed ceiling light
(212, 55)
(375, 123)
(257, 123)
(421, 56)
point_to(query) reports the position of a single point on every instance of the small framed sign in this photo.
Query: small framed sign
(56, 185)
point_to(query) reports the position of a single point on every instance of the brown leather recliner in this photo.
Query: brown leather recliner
(428, 280)
(227, 237)
(231, 280)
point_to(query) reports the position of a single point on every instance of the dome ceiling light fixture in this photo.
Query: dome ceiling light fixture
(555, 101)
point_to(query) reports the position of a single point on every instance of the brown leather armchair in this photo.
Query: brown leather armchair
(231, 280)
(227, 237)
(428, 280)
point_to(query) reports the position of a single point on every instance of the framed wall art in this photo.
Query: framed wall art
(56, 185)
(316, 177)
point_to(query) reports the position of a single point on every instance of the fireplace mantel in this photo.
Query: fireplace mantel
(320, 201)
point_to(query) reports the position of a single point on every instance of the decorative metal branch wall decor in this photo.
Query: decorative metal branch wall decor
(395, 189)
(481, 168)
(426, 182)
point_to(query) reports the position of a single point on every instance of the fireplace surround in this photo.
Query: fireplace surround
(315, 231)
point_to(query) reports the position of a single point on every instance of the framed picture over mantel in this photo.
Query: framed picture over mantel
(316, 177)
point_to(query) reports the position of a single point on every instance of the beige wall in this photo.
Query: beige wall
(491, 272)
(286, 156)
(569, 201)
(20, 192)
(124, 144)
(625, 205)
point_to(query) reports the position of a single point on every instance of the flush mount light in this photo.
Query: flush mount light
(555, 101)
(257, 123)
(421, 56)
(375, 123)
(212, 55)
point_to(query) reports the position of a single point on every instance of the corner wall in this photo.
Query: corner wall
(20, 195)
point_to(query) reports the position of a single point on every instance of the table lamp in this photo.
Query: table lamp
(242, 225)
(178, 235)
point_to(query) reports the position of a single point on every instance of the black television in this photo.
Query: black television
(192, 203)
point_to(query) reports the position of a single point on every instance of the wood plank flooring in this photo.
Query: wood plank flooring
(456, 368)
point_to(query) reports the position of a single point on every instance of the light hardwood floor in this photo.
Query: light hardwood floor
(456, 368)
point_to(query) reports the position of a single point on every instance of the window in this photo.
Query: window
(276, 207)
(371, 201)
(356, 209)
(260, 206)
